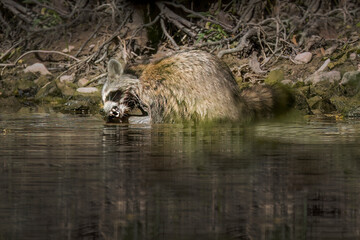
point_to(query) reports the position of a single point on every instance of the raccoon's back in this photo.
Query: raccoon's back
(191, 85)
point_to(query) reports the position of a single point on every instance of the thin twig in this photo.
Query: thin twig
(87, 41)
(38, 51)
(10, 49)
(117, 32)
(95, 79)
(225, 26)
(168, 35)
(242, 44)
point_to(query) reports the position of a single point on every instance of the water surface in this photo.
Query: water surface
(72, 177)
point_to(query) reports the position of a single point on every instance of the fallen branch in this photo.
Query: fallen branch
(146, 25)
(168, 35)
(10, 49)
(225, 26)
(178, 21)
(38, 51)
(107, 42)
(18, 10)
(95, 79)
(242, 44)
(87, 40)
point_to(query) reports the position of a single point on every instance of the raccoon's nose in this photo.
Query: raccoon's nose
(114, 112)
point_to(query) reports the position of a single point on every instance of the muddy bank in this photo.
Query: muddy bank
(38, 92)
(321, 87)
(309, 49)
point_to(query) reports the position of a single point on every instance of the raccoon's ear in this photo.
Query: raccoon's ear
(115, 68)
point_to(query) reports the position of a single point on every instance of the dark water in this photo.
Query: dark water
(70, 177)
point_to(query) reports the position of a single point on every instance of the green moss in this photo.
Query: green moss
(314, 101)
(301, 102)
(66, 88)
(48, 91)
(299, 84)
(23, 84)
(275, 76)
(42, 80)
(305, 90)
(338, 62)
(346, 105)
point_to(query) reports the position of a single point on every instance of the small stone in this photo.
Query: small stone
(87, 90)
(287, 82)
(352, 56)
(91, 46)
(331, 50)
(323, 105)
(37, 67)
(323, 67)
(82, 82)
(330, 77)
(66, 78)
(351, 78)
(66, 88)
(49, 89)
(68, 49)
(303, 58)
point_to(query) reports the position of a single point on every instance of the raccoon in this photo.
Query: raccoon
(192, 85)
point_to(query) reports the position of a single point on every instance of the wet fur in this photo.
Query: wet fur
(192, 85)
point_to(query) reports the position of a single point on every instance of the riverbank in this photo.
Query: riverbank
(302, 48)
(326, 85)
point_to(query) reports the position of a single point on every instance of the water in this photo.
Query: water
(72, 177)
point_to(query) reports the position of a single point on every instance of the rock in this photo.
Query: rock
(301, 102)
(322, 68)
(49, 89)
(68, 49)
(66, 78)
(351, 83)
(275, 76)
(329, 77)
(323, 105)
(331, 49)
(66, 88)
(10, 104)
(287, 82)
(41, 81)
(352, 56)
(82, 82)
(37, 67)
(75, 105)
(91, 46)
(87, 90)
(313, 101)
(346, 105)
(303, 58)
(23, 84)
(351, 78)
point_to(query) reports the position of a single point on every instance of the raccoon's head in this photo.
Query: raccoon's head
(120, 94)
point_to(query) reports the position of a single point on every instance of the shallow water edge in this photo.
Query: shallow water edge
(72, 177)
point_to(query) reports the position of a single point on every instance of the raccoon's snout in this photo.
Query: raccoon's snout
(114, 112)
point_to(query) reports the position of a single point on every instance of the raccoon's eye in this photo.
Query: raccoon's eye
(115, 96)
